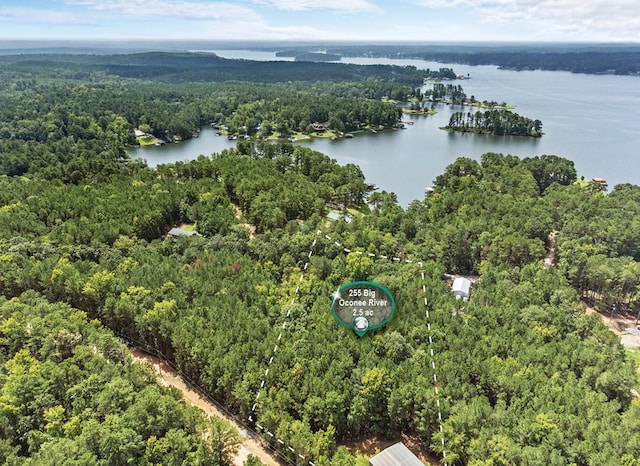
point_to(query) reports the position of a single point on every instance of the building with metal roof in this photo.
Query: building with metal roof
(461, 288)
(396, 455)
(175, 232)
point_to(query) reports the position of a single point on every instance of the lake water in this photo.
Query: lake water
(593, 120)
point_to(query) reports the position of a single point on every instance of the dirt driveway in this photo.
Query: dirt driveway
(167, 376)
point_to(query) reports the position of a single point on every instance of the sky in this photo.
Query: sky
(323, 20)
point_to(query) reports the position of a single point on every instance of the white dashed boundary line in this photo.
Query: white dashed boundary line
(253, 415)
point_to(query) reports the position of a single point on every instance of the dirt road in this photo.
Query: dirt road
(167, 376)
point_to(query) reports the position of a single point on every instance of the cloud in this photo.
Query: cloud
(177, 9)
(216, 30)
(224, 20)
(605, 19)
(303, 5)
(30, 16)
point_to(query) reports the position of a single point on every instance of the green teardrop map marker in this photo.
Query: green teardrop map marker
(362, 306)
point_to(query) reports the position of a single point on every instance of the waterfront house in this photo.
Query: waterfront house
(318, 127)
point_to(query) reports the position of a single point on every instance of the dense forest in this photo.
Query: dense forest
(32, 109)
(189, 67)
(524, 375)
(69, 394)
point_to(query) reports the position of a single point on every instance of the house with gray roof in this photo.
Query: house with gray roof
(396, 455)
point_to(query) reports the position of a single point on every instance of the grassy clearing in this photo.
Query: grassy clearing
(326, 134)
(359, 212)
(275, 136)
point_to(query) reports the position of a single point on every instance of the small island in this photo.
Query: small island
(494, 122)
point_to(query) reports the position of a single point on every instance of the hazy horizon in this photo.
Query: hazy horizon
(125, 45)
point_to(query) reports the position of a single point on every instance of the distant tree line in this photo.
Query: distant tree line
(593, 62)
(621, 59)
